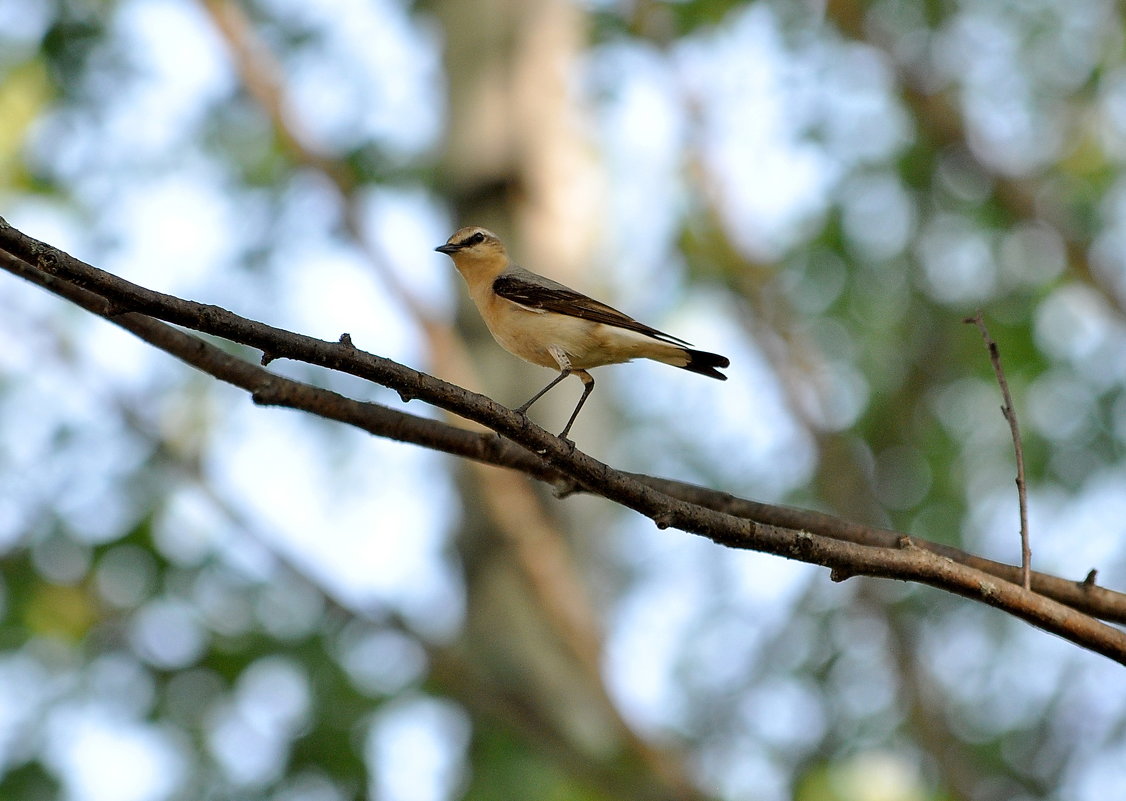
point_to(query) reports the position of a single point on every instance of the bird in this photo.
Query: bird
(551, 325)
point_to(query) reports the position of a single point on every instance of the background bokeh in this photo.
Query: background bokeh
(202, 598)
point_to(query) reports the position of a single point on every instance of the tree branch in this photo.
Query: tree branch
(1011, 417)
(544, 455)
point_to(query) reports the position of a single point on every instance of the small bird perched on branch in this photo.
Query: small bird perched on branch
(546, 323)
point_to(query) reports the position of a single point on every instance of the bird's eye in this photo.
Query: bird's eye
(477, 238)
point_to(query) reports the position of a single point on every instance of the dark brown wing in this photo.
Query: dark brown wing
(543, 294)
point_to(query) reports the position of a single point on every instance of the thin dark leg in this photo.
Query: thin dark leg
(542, 392)
(588, 387)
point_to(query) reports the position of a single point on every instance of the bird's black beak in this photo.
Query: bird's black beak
(449, 248)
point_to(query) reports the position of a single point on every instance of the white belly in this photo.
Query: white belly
(530, 335)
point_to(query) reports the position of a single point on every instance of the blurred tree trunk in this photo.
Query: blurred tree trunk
(515, 159)
(516, 162)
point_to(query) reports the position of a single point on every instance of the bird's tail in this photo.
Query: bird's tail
(704, 363)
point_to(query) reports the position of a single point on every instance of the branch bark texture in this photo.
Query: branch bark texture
(847, 549)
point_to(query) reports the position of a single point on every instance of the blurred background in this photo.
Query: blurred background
(205, 599)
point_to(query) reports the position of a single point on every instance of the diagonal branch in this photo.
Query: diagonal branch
(518, 513)
(270, 389)
(907, 561)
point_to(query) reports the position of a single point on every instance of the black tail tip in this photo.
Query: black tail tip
(704, 363)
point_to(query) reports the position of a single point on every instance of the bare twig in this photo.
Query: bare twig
(113, 298)
(1014, 428)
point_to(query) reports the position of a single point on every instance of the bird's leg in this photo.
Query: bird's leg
(565, 369)
(564, 362)
(563, 374)
(588, 387)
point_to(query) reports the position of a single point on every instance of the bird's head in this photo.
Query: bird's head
(473, 246)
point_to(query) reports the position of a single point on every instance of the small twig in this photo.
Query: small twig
(1011, 416)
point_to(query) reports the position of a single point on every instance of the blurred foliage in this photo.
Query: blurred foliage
(965, 156)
